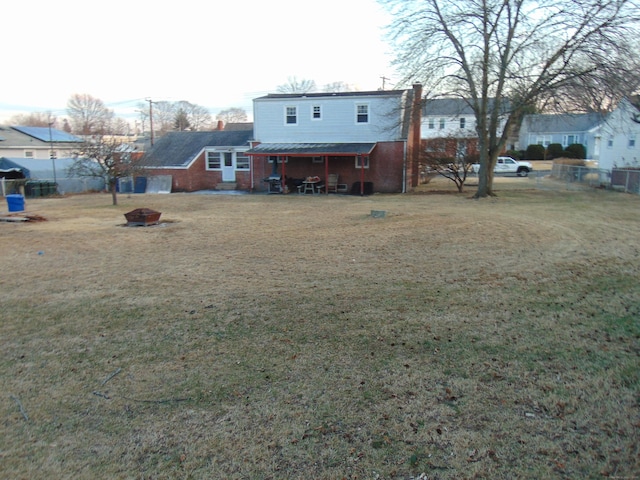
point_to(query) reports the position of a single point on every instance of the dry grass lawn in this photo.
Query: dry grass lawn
(297, 337)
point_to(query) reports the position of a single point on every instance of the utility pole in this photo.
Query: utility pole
(383, 81)
(151, 118)
(52, 154)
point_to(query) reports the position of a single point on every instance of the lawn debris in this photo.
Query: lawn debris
(22, 217)
(22, 410)
(118, 370)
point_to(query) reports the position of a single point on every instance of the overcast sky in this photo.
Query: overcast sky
(216, 54)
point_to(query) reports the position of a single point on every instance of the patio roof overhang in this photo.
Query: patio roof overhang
(312, 149)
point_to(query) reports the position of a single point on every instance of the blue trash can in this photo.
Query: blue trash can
(15, 202)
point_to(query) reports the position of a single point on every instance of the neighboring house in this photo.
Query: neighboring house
(620, 144)
(449, 128)
(202, 160)
(565, 129)
(369, 139)
(611, 139)
(37, 142)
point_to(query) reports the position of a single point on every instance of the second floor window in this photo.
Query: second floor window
(291, 114)
(442, 124)
(362, 113)
(316, 112)
(432, 124)
(463, 121)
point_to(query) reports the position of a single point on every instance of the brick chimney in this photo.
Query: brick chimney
(220, 125)
(414, 140)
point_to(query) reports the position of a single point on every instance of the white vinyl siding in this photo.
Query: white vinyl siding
(338, 122)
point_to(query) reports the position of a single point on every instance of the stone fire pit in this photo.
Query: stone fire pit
(142, 217)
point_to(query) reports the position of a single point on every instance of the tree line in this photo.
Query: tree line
(89, 116)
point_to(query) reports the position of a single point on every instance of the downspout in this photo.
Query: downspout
(404, 167)
(251, 171)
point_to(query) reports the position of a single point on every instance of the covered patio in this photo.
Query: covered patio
(292, 167)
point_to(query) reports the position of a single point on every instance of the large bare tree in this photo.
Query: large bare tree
(486, 51)
(88, 115)
(294, 85)
(105, 158)
(232, 115)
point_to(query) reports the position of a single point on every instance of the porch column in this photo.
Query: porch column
(326, 174)
(284, 172)
(361, 174)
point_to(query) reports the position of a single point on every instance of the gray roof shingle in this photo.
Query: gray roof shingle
(178, 149)
(549, 123)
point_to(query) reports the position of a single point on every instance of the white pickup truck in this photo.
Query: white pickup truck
(508, 165)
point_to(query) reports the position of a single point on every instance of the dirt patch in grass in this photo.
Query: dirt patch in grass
(298, 337)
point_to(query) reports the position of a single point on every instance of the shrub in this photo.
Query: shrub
(515, 154)
(534, 152)
(554, 150)
(576, 150)
(574, 162)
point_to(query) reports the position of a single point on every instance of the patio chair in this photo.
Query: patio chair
(332, 183)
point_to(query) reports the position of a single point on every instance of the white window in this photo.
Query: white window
(569, 140)
(610, 143)
(544, 140)
(213, 161)
(28, 154)
(277, 159)
(242, 161)
(442, 124)
(362, 160)
(291, 115)
(317, 159)
(632, 142)
(362, 113)
(463, 121)
(432, 124)
(316, 112)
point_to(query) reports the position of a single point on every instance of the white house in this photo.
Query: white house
(620, 135)
(611, 139)
(448, 126)
(565, 129)
(363, 137)
(37, 142)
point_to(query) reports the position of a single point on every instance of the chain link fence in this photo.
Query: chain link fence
(572, 177)
(47, 186)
